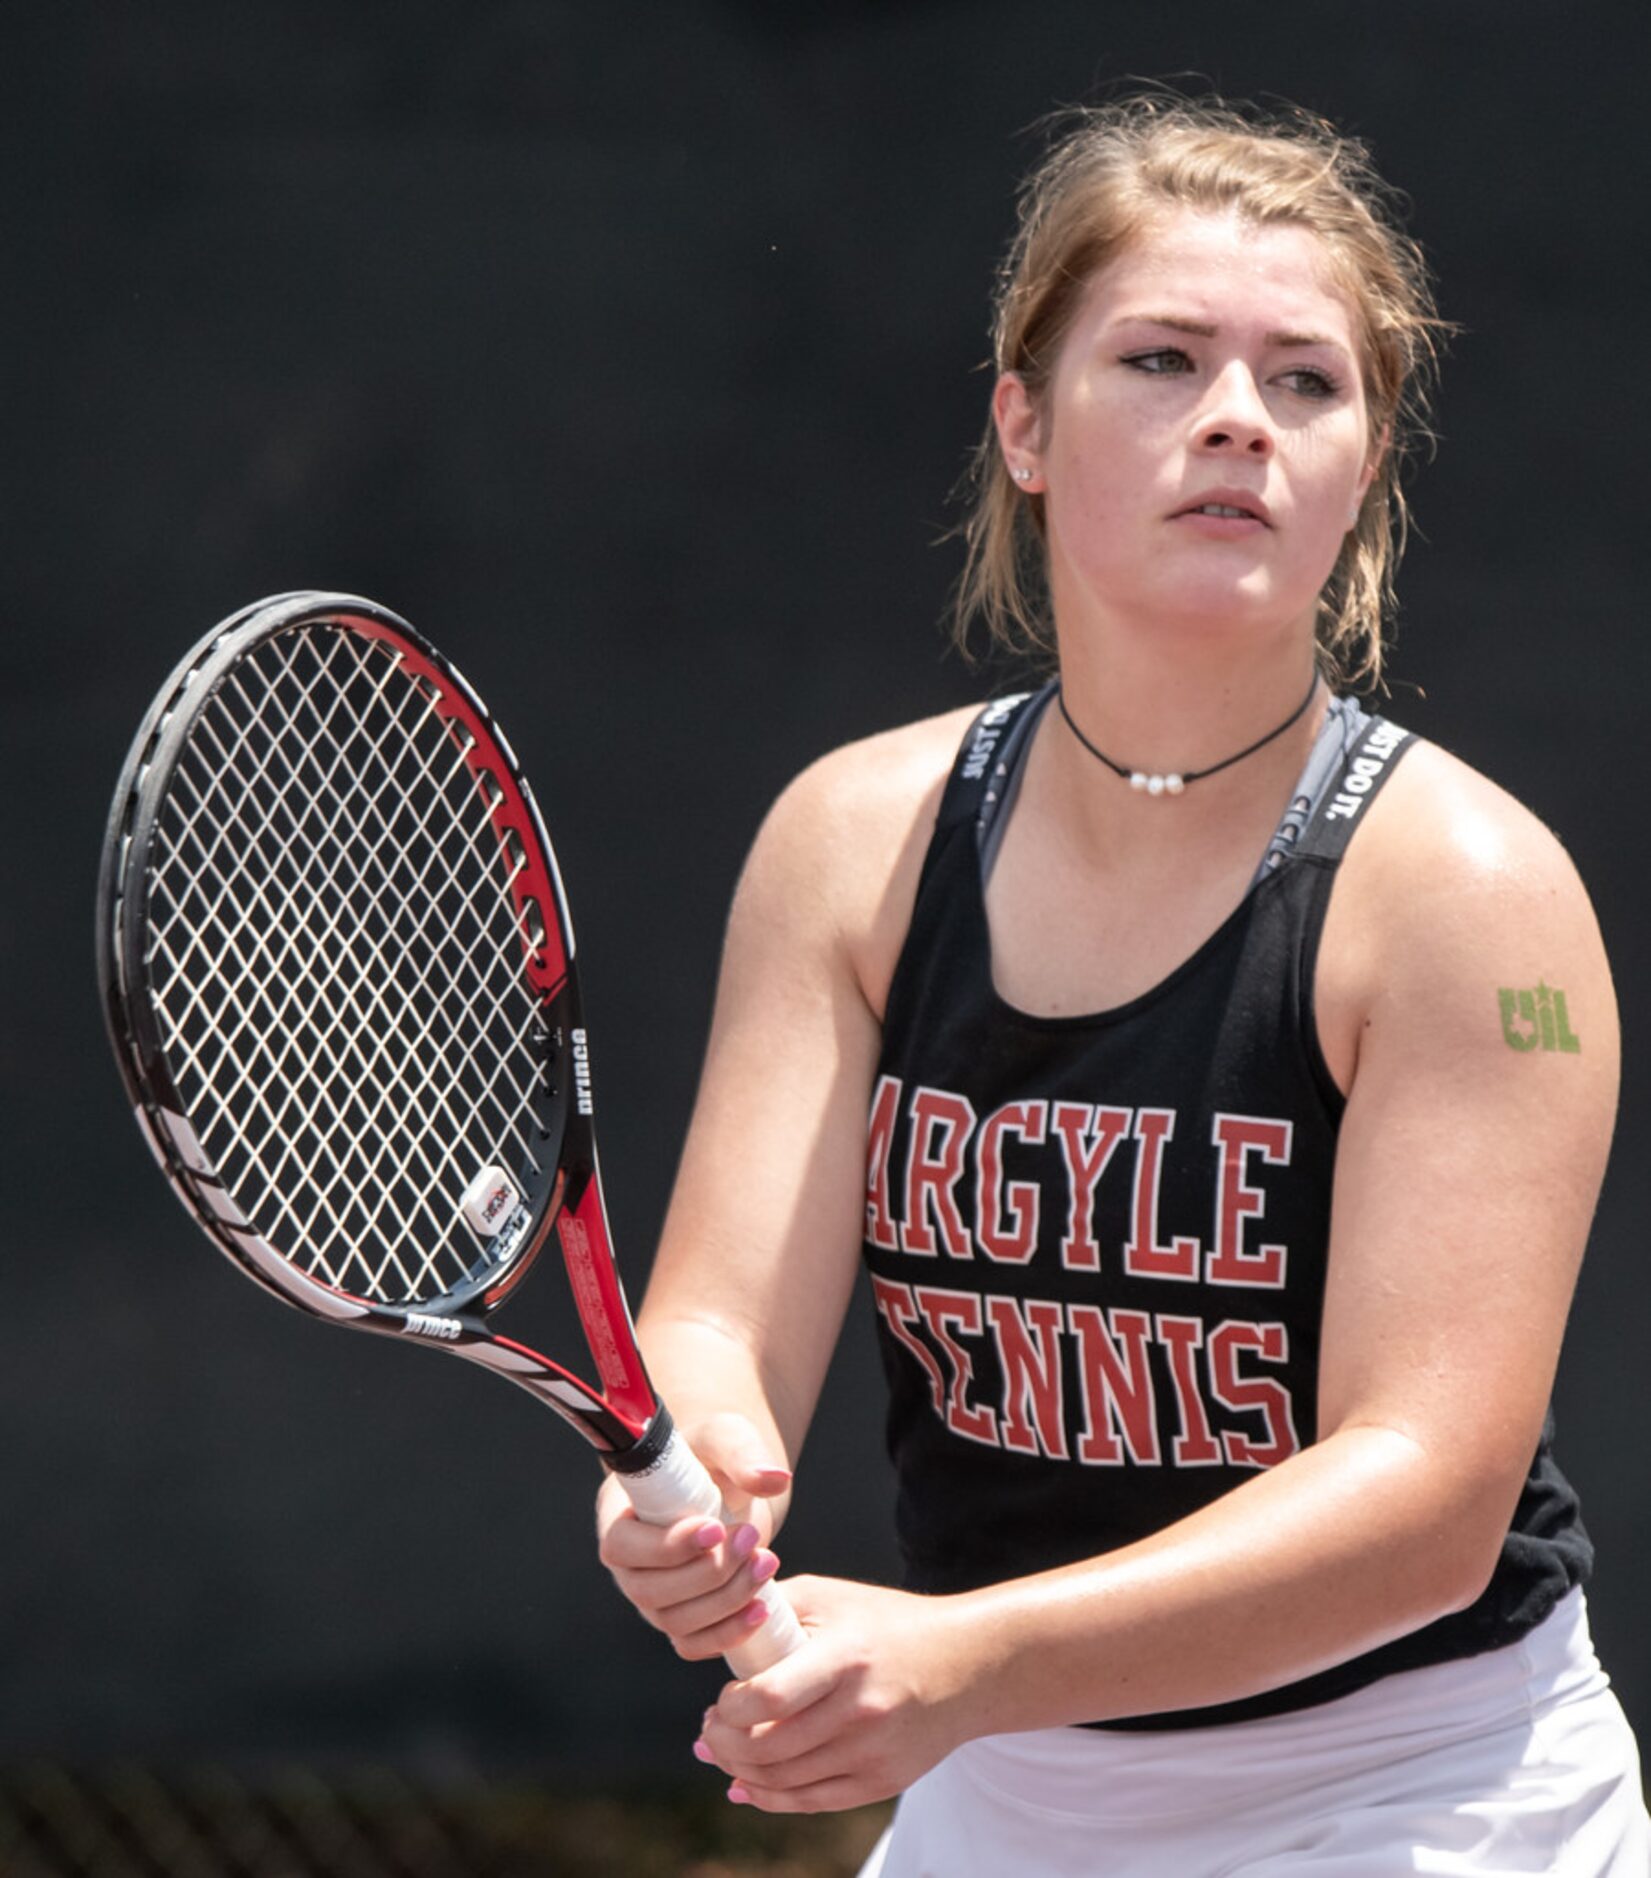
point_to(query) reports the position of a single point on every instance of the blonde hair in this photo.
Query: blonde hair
(1111, 169)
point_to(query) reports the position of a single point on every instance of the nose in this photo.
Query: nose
(1235, 416)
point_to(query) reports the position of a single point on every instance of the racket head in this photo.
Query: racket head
(337, 970)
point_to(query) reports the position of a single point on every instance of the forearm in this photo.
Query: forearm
(1345, 1546)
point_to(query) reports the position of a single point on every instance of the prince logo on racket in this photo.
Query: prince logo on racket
(443, 1329)
(581, 1074)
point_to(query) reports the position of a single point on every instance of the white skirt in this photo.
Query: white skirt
(1520, 1760)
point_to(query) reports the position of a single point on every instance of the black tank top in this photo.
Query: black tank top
(1097, 1244)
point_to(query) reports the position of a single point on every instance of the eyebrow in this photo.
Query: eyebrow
(1202, 330)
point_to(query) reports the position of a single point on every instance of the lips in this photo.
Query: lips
(1234, 505)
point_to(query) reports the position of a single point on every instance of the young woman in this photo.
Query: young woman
(1240, 1075)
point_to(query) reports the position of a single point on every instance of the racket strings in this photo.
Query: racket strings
(371, 1067)
(323, 1019)
(336, 958)
(371, 1080)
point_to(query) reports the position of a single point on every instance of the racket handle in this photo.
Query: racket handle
(677, 1484)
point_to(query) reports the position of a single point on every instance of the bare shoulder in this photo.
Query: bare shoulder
(1449, 846)
(837, 857)
(1456, 901)
(873, 785)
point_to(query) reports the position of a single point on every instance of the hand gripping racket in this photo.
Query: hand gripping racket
(338, 973)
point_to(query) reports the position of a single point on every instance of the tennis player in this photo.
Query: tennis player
(1240, 1073)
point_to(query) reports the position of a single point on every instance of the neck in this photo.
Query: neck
(1174, 782)
(1171, 714)
(1155, 709)
(1176, 680)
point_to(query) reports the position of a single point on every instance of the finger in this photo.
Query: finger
(761, 1477)
(703, 1622)
(786, 1745)
(786, 1688)
(644, 1570)
(690, 1599)
(836, 1794)
(720, 1638)
(629, 1543)
(740, 1459)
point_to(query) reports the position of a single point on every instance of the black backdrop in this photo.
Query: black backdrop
(631, 351)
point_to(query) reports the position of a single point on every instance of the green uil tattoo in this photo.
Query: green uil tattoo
(1537, 1020)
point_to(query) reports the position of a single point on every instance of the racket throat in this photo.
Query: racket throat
(587, 1252)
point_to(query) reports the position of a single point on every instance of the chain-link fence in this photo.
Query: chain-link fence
(136, 1822)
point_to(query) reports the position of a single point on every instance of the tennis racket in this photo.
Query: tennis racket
(338, 973)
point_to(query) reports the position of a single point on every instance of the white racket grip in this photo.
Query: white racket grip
(677, 1484)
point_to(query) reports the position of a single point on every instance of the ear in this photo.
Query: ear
(1018, 428)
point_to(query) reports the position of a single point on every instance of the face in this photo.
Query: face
(1204, 443)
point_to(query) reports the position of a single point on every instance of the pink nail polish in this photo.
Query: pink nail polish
(744, 1542)
(709, 1534)
(763, 1568)
(738, 1795)
(753, 1614)
(702, 1752)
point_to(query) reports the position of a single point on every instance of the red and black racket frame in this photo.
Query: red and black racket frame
(622, 1417)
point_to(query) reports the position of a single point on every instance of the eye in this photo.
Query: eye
(1310, 381)
(1160, 361)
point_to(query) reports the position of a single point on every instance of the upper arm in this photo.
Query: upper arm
(1467, 1168)
(761, 1242)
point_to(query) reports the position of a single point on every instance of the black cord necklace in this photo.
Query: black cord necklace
(1149, 782)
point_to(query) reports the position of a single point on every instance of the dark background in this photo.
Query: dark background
(631, 352)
